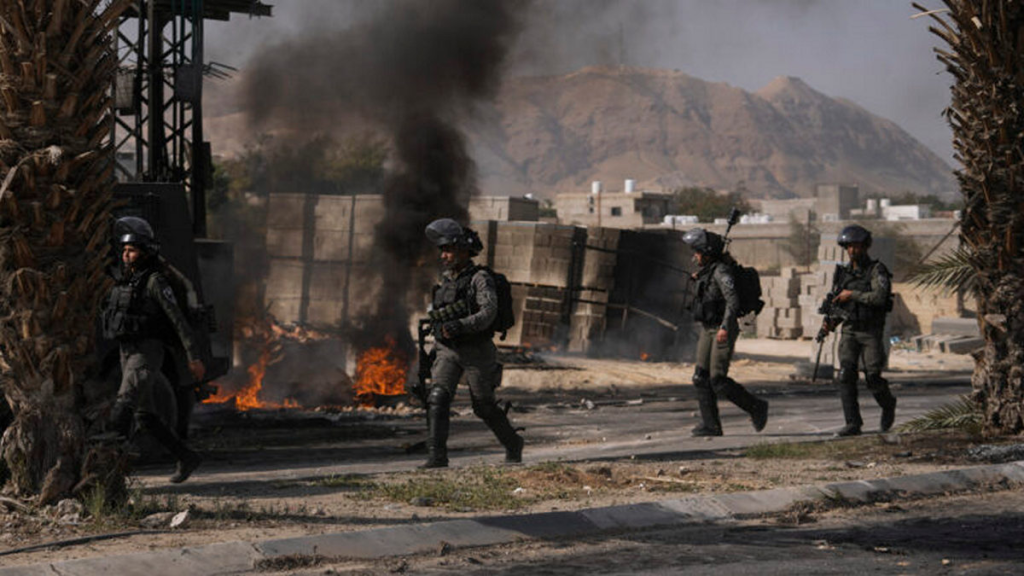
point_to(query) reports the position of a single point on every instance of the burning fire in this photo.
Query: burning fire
(644, 356)
(380, 371)
(266, 334)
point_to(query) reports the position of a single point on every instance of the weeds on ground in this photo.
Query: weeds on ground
(349, 481)
(480, 488)
(792, 450)
(136, 506)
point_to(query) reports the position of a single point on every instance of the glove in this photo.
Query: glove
(451, 329)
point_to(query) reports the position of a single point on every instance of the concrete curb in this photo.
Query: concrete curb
(240, 557)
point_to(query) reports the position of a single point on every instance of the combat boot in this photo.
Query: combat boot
(759, 416)
(703, 430)
(888, 403)
(742, 398)
(188, 460)
(514, 452)
(186, 466)
(849, 430)
(497, 420)
(438, 416)
(710, 424)
(851, 408)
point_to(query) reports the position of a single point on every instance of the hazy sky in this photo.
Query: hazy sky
(867, 51)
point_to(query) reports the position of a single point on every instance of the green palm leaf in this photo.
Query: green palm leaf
(963, 414)
(953, 271)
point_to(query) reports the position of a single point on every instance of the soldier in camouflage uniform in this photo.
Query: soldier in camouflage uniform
(142, 315)
(715, 307)
(464, 308)
(864, 292)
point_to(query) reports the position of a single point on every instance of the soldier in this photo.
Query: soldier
(864, 291)
(715, 307)
(465, 306)
(142, 315)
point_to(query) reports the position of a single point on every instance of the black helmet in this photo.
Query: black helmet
(137, 232)
(707, 243)
(854, 234)
(447, 232)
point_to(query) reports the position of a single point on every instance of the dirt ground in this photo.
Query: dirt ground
(263, 510)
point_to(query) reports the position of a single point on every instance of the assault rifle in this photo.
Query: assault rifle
(833, 313)
(420, 387)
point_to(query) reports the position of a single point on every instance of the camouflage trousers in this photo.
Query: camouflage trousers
(477, 361)
(143, 387)
(712, 357)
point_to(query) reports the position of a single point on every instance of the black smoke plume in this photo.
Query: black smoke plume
(415, 70)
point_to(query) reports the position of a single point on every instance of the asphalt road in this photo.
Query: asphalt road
(654, 423)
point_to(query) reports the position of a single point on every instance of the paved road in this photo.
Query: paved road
(259, 448)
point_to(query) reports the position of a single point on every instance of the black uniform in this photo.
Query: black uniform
(142, 315)
(862, 333)
(715, 307)
(469, 350)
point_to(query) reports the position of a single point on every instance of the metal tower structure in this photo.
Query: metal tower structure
(158, 94)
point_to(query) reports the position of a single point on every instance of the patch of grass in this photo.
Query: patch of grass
(550, 467)
(480, 489)
(96, 504)
(772, 450)
(350, 481)
(831, 450)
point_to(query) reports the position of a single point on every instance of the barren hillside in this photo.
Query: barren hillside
(666, 129)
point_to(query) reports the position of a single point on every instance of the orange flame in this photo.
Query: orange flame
(249, 397)
(644, 356)
(266, 333)
(380, 371)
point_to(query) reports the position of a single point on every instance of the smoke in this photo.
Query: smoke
(415, 71)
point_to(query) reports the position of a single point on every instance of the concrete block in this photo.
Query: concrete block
(956, 326)
(284, 242)
(286, 211)
(284, 279)
(331, 245)
(961, 345)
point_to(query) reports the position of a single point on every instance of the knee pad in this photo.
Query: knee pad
(439, 396)
(721, 384)
(848, 375)
(701, 378)
(876, 383)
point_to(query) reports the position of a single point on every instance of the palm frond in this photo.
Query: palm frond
(953, 271)
(963, 414)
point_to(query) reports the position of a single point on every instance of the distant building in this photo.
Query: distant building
(835, 201)
(504, 208)
(626, 209)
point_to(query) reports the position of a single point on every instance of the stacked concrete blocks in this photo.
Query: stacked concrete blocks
(317, 246)
(781, 316)
(597, 279)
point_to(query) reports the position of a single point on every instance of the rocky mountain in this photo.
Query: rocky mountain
(667, 129)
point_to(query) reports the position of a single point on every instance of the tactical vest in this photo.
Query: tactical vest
(709, 303)
(129, 314)
(858, 279)
(455, 298)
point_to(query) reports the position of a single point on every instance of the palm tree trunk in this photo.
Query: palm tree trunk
(986, 57)
(57, 62)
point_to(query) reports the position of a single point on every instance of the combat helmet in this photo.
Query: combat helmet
(707, 243)
(447, 232)
(854, 234)
(137, 232)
